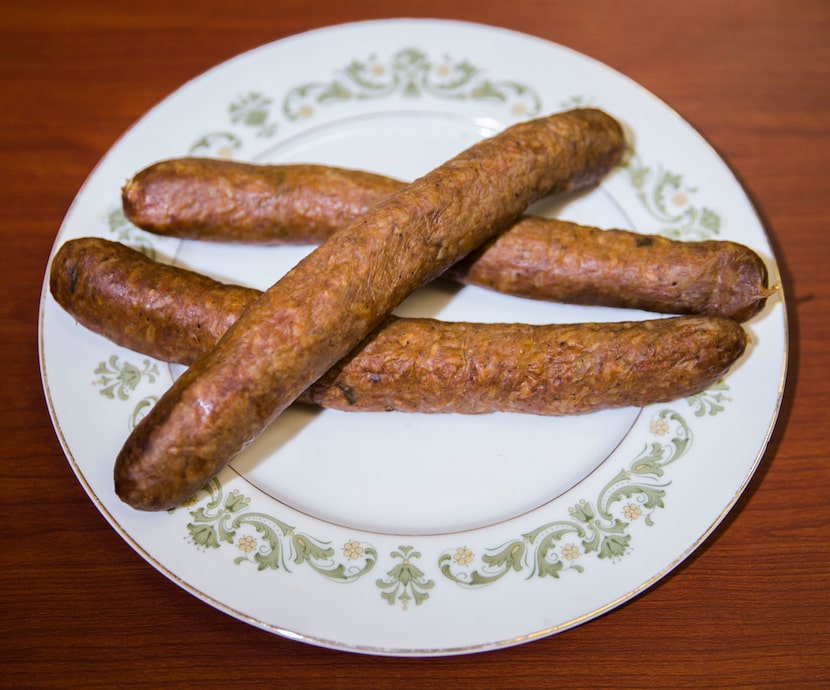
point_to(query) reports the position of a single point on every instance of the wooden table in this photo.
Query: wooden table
(750, 608)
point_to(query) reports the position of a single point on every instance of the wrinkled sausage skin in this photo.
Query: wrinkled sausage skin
(409, 365)
(565, 262)
(228, 201)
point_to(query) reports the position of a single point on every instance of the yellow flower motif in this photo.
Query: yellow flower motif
(225, 152)
(680, 199)
(632, 512)
(352, 550)
(570, 552)
(305, 110)
(442, 70)
(518, 109)
(463, 556)
(378, 70)
(659, 427)
(246, 543)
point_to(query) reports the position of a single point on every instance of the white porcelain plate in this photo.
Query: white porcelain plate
(423, 534)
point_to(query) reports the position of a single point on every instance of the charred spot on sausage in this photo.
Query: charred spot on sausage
(73, 279)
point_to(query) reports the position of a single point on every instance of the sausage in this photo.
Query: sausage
(335, 296)
(565, 262)
(538, 258)
(166, 312)
(226, 201)
(408, 365)
(424, 365)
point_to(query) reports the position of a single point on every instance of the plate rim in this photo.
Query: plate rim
(284, 632)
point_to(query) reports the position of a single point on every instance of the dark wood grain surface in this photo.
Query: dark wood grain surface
(749, 609)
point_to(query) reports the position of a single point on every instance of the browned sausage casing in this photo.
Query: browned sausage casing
(539, 258)
(324, 306)
(226, 201)
(565, 262)
(408, 365)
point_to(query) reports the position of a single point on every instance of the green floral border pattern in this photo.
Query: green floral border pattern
(410, 73)
(599, 527)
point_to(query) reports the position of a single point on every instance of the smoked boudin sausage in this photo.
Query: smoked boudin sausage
(539, 258)
(335, 296)
(227, 201)
(408, 365)
(168, 313)
(565, 262)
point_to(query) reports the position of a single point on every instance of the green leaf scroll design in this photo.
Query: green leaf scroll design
(225, 518)
(127, 233)
(140, 410)
(119, 378)
(216, 144)
(252, 110)
(405, 582)
(599, 527)
(668, 199)
(410, 73)
(577, 101)
(710, 401)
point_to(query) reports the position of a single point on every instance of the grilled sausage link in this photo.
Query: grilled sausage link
(539, 258)
(408, 365)
(575, 264)
(226, 201)
(332, 299)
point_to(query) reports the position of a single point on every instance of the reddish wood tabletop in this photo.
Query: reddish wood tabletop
(750, 608)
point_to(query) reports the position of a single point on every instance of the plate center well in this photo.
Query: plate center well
(418, 473)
